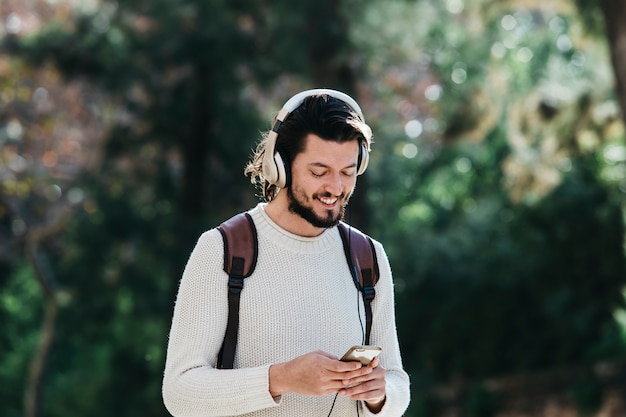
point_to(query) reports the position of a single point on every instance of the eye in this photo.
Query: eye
(318, 173)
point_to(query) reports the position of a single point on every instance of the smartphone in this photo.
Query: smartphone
(363, 354)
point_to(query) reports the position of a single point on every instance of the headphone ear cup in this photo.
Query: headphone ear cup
(364, 158)
(283, 177)
(269, 168)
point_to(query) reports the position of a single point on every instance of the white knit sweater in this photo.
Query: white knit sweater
(300, 298)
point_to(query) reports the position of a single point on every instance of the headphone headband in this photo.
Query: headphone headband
(273, 166)
(295, 102)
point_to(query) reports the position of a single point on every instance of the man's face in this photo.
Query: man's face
(323, 177)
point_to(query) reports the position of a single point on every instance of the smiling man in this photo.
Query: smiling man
(300, 309)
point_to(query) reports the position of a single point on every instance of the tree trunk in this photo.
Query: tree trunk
(35, 236)
(615, 20)
(196, 145)
(32, 398)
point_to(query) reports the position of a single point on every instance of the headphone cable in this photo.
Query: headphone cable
(355, 277)
(333, 405)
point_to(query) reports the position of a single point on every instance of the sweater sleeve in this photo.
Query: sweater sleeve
(192, 386)
(384, 334)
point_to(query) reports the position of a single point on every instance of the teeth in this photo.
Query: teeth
(328, 200)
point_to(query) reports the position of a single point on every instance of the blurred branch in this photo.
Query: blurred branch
(615, 17)
(35, 236)
(32, 398)
(39, 234)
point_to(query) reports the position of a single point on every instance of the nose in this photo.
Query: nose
(335, 185)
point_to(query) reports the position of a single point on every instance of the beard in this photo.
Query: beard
(297, 204)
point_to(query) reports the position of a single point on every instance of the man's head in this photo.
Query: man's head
(323, 179)
(328, 114)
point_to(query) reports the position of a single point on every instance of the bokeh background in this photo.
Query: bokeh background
(497, 184)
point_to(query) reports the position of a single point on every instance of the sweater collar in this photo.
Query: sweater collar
(268, 229)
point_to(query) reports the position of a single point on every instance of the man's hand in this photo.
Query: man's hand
(369, 387)
(320, 373)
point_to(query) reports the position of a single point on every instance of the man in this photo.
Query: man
(300, 309)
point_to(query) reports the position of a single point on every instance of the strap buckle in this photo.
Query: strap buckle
(369, 293)
(235, 284)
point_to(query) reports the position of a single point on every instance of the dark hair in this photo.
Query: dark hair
(323, 115)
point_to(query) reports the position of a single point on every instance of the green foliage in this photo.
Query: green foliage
(496, 272)
(20, 313)
(502, 214)
(113, 328)
(510, 284)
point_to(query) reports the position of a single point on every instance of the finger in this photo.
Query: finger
(368, 373)
(359, 380)
(366, 392)
(344, 367)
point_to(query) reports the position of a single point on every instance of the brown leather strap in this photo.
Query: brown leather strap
(240, 254)
(239, 234)
(361, 257)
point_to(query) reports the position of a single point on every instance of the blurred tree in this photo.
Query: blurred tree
(504, 172)
(186, 80)
(149, 198)
(44, 123)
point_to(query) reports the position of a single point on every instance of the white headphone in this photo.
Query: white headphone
(275, 169)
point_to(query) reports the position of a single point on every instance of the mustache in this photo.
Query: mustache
(329, 195)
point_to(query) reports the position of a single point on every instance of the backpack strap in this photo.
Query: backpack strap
(361, 257)
(240, 255)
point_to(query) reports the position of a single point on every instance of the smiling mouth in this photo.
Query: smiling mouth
(329, 201)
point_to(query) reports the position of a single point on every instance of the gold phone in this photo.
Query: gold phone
(363, 354)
